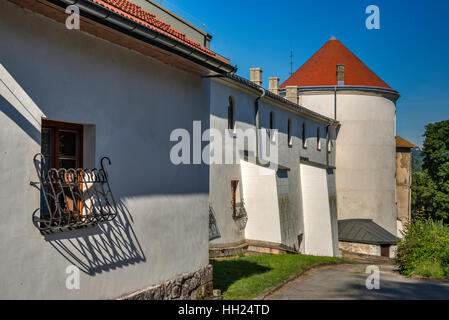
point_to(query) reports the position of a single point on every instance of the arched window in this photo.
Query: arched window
(318, 138)
(231, 114)
(303, 135)
(289, 132)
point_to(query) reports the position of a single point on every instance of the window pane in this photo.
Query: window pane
(67, 164)
(46, 142)
(67, 143)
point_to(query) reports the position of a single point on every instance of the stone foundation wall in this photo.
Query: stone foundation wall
(249, 246)
(189, 286)
(370, 249)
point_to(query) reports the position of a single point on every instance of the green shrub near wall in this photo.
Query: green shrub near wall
(424, 250)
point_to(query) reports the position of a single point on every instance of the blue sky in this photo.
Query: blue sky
(410, 51)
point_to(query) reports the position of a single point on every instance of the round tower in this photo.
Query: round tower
(335, 83)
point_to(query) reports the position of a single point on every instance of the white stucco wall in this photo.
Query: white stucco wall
(289, 198)
(318, 233)
(365, 155)
(134, 103)
(261, 203)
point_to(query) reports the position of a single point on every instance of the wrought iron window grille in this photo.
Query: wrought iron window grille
(72, 198)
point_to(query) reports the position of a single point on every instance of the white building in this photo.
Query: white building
(287, 207)
(110, 96)
(353, 177)
(115, 89)
(335, 83)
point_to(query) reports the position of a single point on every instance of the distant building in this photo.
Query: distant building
(403, 181)
(289, 207)
(337, 84)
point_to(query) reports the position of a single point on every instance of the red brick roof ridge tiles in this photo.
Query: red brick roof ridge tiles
(137, 14)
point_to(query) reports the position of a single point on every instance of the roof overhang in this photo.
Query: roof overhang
(393, 94)
(108, 25)
(242, 83)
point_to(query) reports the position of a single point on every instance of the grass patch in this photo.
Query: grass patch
(244, 278)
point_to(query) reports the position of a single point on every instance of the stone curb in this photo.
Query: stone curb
(269, 291)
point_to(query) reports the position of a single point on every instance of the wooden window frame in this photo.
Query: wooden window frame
(55, 127)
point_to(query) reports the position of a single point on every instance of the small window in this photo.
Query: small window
(303, 135)
(289, 132)
(236, 199)
(272, 126)
(328, 138)
(231, 114)
(318, 139)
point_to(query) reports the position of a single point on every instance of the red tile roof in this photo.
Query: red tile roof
(136, 13)
(321, 69)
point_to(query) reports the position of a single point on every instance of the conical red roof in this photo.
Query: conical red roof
(321, 69)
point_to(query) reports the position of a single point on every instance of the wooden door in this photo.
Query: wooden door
(385, 251)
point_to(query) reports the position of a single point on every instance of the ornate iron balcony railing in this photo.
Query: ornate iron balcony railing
(72, 198)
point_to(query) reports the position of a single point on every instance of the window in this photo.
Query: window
(303, 135)
(272, 126)
(231, 114)
(318, 139)
(328, 138)
(62, 144)
(289, 132)
(235, 194)
(71, 197)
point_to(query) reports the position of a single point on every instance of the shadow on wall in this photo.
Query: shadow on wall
(106, 247)
(11, 112)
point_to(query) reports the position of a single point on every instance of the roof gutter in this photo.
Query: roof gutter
(99, 14)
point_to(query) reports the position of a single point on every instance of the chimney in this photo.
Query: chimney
(291, 94)
(256, 76)
(273, 85)
(340, 74)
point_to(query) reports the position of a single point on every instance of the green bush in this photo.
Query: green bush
(424, 249)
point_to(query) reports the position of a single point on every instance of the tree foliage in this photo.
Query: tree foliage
(424, 249)
(431, 187)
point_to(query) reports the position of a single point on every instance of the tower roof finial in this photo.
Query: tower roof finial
(333, 38)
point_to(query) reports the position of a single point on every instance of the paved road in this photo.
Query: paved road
(347, 282)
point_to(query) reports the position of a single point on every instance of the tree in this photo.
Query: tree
(436, 171)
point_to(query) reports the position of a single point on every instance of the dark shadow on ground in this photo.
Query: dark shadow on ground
(227, 272)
